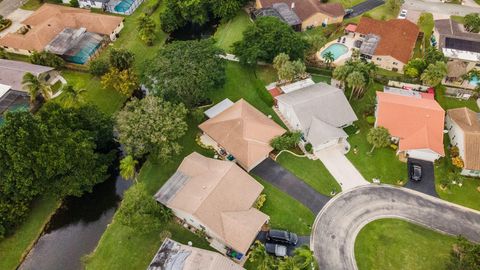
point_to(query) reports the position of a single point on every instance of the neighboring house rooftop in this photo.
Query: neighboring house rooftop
(50, 20)
(469, 122)
(220, 195)
(175, 256)
(244, 132)
(218, 108)
(307, 8)
(396, 37)
(321, 110)
(11, 72)
(418, 122)
(454, 39)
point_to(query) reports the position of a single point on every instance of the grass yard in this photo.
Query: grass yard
(347, 3)
(232, 31)
(426, 24)
(382, 163)
(321, 78)
(397, 244)
(459, 19)
(383, 13)
(285, 212)
(15, 247)
(312, 172)
(452, 103)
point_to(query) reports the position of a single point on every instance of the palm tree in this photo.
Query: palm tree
(73, 95)
(288, 263)
(356, 82)
(35, 86)
(259, 256)
(329, 58)
(304, 257)
(378, 137)
(341, 73)
(127, 168)
(434, 73)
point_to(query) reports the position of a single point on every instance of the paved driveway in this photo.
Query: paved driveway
(427, 184)
(438, 8)
(338, 224)
(341, 168)
(275, 174)
(8, 6)
(302, 241)
(16, 16)
(364, 7)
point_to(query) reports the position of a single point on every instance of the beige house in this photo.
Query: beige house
(463, 127)
(216, 197)
(174, 256)
(312, 13)
(68, 24)
(244, 132)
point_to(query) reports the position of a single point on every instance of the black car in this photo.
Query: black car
(276, 249)
(415, 172)
(282, 237)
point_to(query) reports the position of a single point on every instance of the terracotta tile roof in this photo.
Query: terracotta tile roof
(244, 132)
(397, 37)
(220, 195)
(418, 122)
(307, 8)
(469, 122)
(49, 20)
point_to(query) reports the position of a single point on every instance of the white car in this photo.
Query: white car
(403, 14)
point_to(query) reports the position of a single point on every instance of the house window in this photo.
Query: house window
(202, 228)
(379, 59)
(395, 63)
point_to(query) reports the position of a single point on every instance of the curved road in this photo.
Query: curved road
(338, 223)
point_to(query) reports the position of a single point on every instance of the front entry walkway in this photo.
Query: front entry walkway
(340, 167)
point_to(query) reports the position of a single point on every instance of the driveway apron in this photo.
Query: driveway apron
(427, 184)
(281, 178)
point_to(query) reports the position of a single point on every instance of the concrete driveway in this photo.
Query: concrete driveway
(281, 178)
(9, 6)
(438, 9)
(427, 184)
(302, 241)
(341, 168)
(16, 16)
(338, 224)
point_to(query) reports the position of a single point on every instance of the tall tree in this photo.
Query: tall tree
(151, 125)
(472, 22)
(267, 38)
(124, 81)
(378, 137)
(35, 86)
(73, 95)
(433, 55)
(303, 257)
(121, 59)
(341, 73)
(185, 71)
(357, 83)
(47, 59)
(127, 168)
(415, 67)
(434, 74)
(329, 58)
(314, 43)
(260, 257)
(146, 29)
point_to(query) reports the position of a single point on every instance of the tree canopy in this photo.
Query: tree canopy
(378, 137)
(267, 38)
(47, 59)
(464, 256)
(61, 151)
(472, 22)
(185, 71)
(151, 125)
(434, 74)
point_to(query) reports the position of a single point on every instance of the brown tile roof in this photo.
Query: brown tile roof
(397, 37)
(244, 132)
(49, 20)
(220, 195)
(469, 122)
(307, 8)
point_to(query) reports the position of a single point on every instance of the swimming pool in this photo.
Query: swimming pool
(475, 81)
(336, 49)
(124, 5)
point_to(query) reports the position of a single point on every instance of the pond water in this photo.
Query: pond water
(194, 31)
(76, 227)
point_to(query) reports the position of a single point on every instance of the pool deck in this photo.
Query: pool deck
(349, 43)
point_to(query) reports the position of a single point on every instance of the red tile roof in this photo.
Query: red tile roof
(307, 8)
(397, 37)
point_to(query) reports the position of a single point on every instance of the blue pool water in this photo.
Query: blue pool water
(475, 81)
(124, 5)
(16, 108)
(336, 49)
(82, 56)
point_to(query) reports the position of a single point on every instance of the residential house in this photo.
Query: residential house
(98, 4)
(175, 256)
(320, 112)
(311, 13)
(388, 44)
(12, 93)
(124, 7)
(463, 127)
(415, 122)
(72, 33)
(216, 197)
(281, 11)
(243, 132)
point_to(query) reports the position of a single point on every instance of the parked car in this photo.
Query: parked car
(276, 249)
(415, 172)
(403, 14)
(348, 11)
(282, 237)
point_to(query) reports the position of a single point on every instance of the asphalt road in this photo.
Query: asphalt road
(439, 8)
(338, 224)
(8, 6)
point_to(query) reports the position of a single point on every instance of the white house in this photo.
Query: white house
(463, 127)
(320, 112)
(216, 197)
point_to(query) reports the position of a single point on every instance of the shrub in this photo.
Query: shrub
(370, 119)
(260, 201)
(454, 151)
(47, 59)
(287, 141)
(265, 96)
(394, 146)
(74, 3)
(444, 182)
(309, 148)
(98, 67)
(457, 162)
(152, 7)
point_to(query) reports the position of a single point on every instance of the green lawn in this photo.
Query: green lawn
(382, 13)
(32, 5)
(459, 19)
(312, 172)
(347, 3)
(426, 24)
(382, 163)
(285, 212)
(232, 31)
(397, 244)
(452, 103)
(15, 247)
(321, 78)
